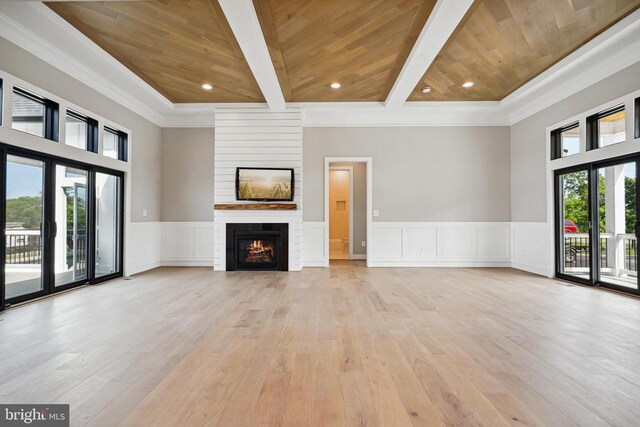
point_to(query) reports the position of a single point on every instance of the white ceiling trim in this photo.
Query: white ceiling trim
(37, 29)
(243, 19)
(40, 31)
(442, 22)
(610, 52)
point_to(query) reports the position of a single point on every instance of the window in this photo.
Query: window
(636, 124)
(34, 115)
(606, 128)
(565, 141)
(81, 132)
(114, 144)
(1, 102)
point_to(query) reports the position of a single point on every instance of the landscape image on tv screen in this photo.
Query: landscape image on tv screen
(264, 184)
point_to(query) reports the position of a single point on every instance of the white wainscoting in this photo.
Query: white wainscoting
(187, 243)
(522, 245)
(530, 247)
(437, 244)
(314, 250)
(142, 251)
(422, 244)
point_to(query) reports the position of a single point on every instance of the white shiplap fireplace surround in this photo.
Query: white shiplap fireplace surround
(256, 138)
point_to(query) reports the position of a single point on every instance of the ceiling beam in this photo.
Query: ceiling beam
(442, 22)
(244, 23)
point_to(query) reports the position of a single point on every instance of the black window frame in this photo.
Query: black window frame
(1, 100)
(51, 113)
(92, 129)
(636, 120)
(593, 125)
(123, 143)
(50, 161)
(556, 139)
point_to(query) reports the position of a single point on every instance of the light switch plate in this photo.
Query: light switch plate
(145, 212)
(376, 213)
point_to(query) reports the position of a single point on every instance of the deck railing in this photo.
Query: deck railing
(23, 247)
(577, 252)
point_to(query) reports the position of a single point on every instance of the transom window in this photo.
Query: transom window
(565, 141)
(114, 144)
(34, 115)
(81, 131)
(606, 128)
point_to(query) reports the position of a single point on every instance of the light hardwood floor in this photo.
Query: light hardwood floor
(328, 347)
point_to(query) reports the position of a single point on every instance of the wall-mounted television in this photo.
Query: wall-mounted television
(265, 184)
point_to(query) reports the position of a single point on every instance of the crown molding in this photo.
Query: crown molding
(610, 52)
(40, 31)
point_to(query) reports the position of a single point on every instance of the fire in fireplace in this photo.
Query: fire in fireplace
(257, 251)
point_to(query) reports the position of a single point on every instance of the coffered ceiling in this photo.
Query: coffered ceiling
(175, 46)
(502, 44)
(366, 45)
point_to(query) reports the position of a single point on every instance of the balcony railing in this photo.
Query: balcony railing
(23, 247)
(618, 253)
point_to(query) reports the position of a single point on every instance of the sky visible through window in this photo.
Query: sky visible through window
(24, 180)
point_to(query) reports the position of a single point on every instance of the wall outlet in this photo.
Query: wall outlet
(145, 212)
(364, 243)
(376, 213)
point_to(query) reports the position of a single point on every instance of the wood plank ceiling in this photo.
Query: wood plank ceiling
(362, 44)
(177, 45)
(174, 45)
(502, 44)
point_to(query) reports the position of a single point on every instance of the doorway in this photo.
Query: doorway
(341, 212)
(348, 208)
(597, 209)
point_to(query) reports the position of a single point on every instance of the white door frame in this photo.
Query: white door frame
(368, 161)
(350, 170)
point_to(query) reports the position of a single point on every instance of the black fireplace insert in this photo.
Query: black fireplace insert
(257, 246)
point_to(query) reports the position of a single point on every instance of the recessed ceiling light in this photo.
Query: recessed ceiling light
(335, 85)
(426, 89)
(467, 84)
(207, 86)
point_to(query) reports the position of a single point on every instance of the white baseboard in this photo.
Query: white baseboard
(187, 263)
(439, 264)
(359, 257)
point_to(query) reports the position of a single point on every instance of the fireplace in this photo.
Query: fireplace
(257, 246)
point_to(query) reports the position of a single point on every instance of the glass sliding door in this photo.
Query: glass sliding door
(108, 206)
(24, 226)
(71, 218)
(574, 225)
(63, 224)
(617, 219)
(597, 209)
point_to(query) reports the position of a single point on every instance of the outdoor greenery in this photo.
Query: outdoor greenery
(26, 210)
(575, 201)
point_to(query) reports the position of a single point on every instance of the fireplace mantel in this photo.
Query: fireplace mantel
(255, 206)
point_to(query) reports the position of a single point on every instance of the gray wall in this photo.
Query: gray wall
(419, 173)
(187, 174)
(528, 142)
(145, 141)
(359, 205)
